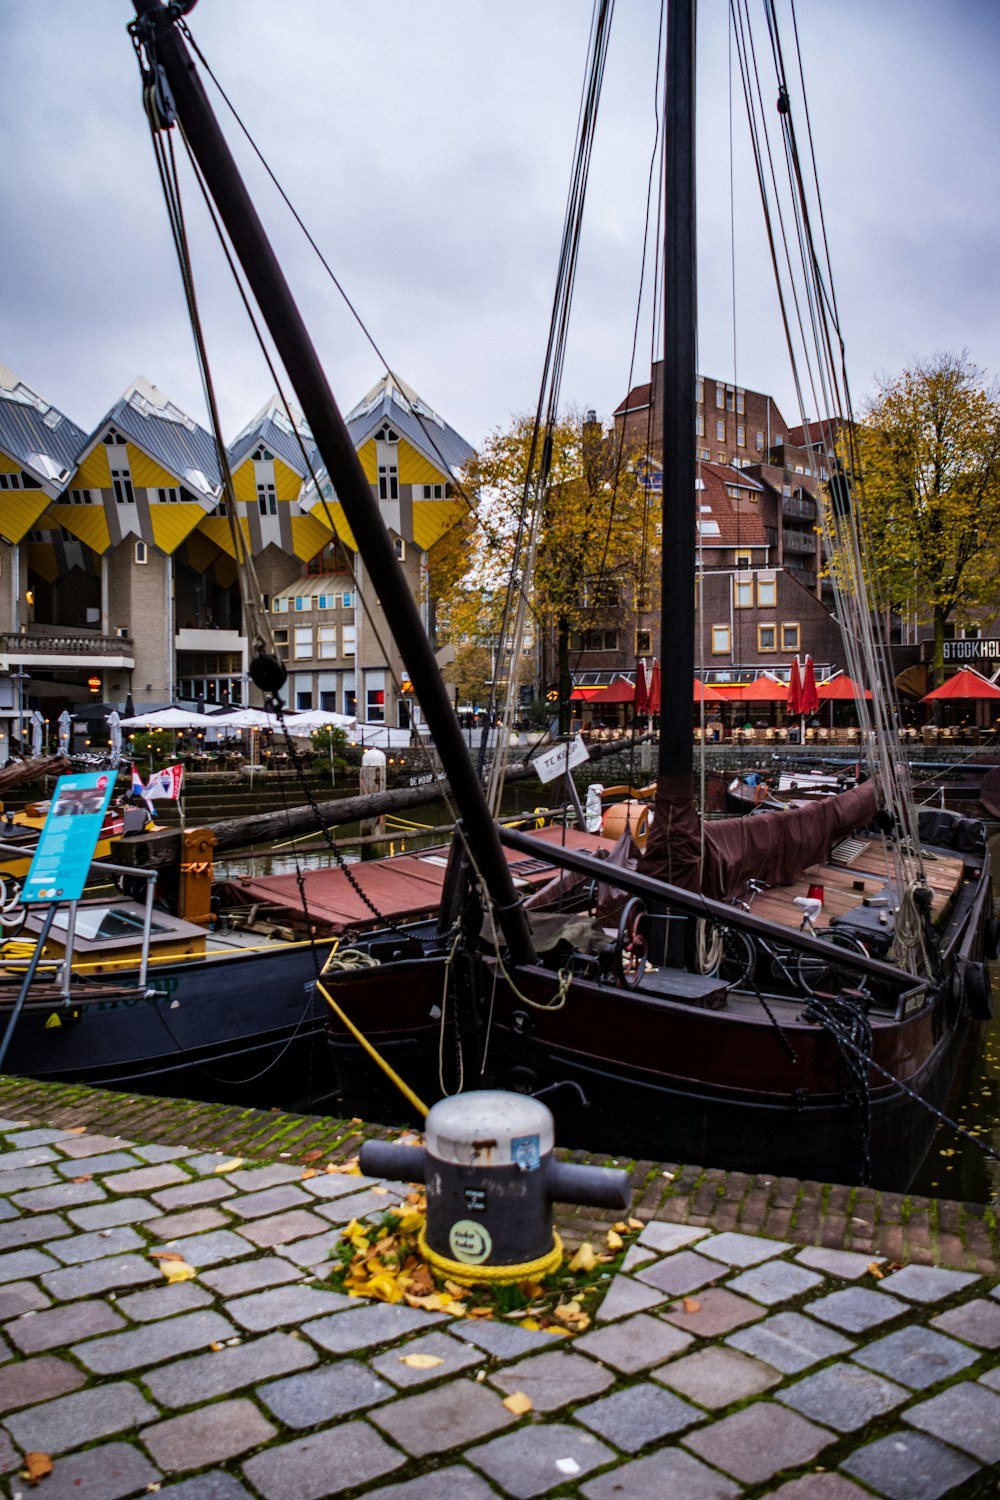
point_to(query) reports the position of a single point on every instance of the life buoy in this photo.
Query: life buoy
(976, 987)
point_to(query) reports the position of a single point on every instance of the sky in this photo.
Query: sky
(428, 148)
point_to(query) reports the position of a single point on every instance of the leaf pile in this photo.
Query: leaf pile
(383, 1260)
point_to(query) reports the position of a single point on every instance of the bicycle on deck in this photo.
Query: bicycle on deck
(741, 955)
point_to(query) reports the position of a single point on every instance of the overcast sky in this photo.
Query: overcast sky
(428, 147)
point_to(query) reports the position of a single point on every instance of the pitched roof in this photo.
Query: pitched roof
(721, 520)
(390, 399)
(36, 435)
(272, 428)
(638, 399)
(167, 434)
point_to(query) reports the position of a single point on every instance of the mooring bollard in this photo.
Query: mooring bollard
(491, 1180)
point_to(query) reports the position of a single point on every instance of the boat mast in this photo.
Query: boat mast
(679, 539)
(165, 48)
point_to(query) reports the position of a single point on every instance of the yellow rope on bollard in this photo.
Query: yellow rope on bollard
(528, 1270)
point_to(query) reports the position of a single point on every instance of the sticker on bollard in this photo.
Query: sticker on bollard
(491, 1176)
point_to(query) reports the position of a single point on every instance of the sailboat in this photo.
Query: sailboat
(690, 1028)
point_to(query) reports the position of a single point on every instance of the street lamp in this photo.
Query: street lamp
(20, 678)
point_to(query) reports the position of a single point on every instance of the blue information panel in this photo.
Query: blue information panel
(69, 837)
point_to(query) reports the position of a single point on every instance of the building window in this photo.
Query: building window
(77, 497)
(121, 483)
(327, 601)
(789, 637)
(699, 424)
(375, 697)
(741, 435)
(303, 642)
(303, 602)
(699, 392)
(168, 496)
(10, 481)
(328, 702)
(348, 639)
(267, 500)
(435, 491)
(721, 640)
(720, 396)
(720, 430)
(348, 601)
(643, 642)
(265, 601)
(281, 644)
(279, 605)
(744, 559)
(767, 639)
(741, 402)
(400, 548)
(141, 555)
(327, 640)
(388, 482)
(743, 593)
(303, 702)
(767, 593)
(759, 442)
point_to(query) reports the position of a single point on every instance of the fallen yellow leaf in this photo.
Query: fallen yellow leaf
(177, 1270)
(518, 1403)
(230, 1166)
(308, 1172)
(312, 1155)
(420, 1361)
(86, 1177)
(165, 1255)
(36, 1466)
(584, 1259)
(692, 1305)
(876, 1270)
(621, 1227)
(530, 1323)
(636, 1224)
(615, 1240)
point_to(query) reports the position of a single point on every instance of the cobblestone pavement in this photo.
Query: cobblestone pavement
(721, 1362)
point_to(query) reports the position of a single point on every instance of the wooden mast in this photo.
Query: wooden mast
(165, 48)
(679, 539)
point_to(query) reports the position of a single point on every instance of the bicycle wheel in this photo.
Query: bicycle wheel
(819, 975)
(739, 957)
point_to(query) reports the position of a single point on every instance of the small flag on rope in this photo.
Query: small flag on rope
(165, 783)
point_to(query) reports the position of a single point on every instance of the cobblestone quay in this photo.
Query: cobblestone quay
(763, 1337)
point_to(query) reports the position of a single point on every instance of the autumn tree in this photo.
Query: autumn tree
(594, 527)
(928, 448)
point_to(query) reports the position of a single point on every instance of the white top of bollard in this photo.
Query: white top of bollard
(490, 1128)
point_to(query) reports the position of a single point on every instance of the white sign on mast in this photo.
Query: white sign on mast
(560, 759)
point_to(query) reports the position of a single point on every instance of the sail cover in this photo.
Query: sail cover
(775, 847)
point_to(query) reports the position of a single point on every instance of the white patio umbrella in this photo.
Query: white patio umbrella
(65, 725)
(37, 731)
(115, 730)
(170, 718)
(320, 718)
(244, 718)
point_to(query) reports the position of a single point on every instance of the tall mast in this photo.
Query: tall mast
(679, 540)
(295, 348)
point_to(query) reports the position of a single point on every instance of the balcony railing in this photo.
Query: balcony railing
(15, 644)
(799, 541)
(803, 576)
(799, 508)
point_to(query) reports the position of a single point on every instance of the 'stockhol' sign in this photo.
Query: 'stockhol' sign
(980, 649)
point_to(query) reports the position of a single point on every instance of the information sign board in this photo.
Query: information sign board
(69, 837)
(560, 758)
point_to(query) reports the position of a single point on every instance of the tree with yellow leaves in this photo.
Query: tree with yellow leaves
(595, 526)
(928, 448)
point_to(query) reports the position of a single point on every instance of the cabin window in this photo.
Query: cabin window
(141, 555)
(743, 593)
(267, 500)
(643, 642)
(721, 640)
(327, 636)
(767, 639)
(767, 593)
(303, 642)
(789, 636)
(348, 639)
(720, 430)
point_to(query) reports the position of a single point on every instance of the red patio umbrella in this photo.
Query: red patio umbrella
(641, 690)
(761, 690)
(704, 692)
(795, 689)
(620, 691)
(653, 688)
(841, 689)
(964, 684)
(810, 698)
